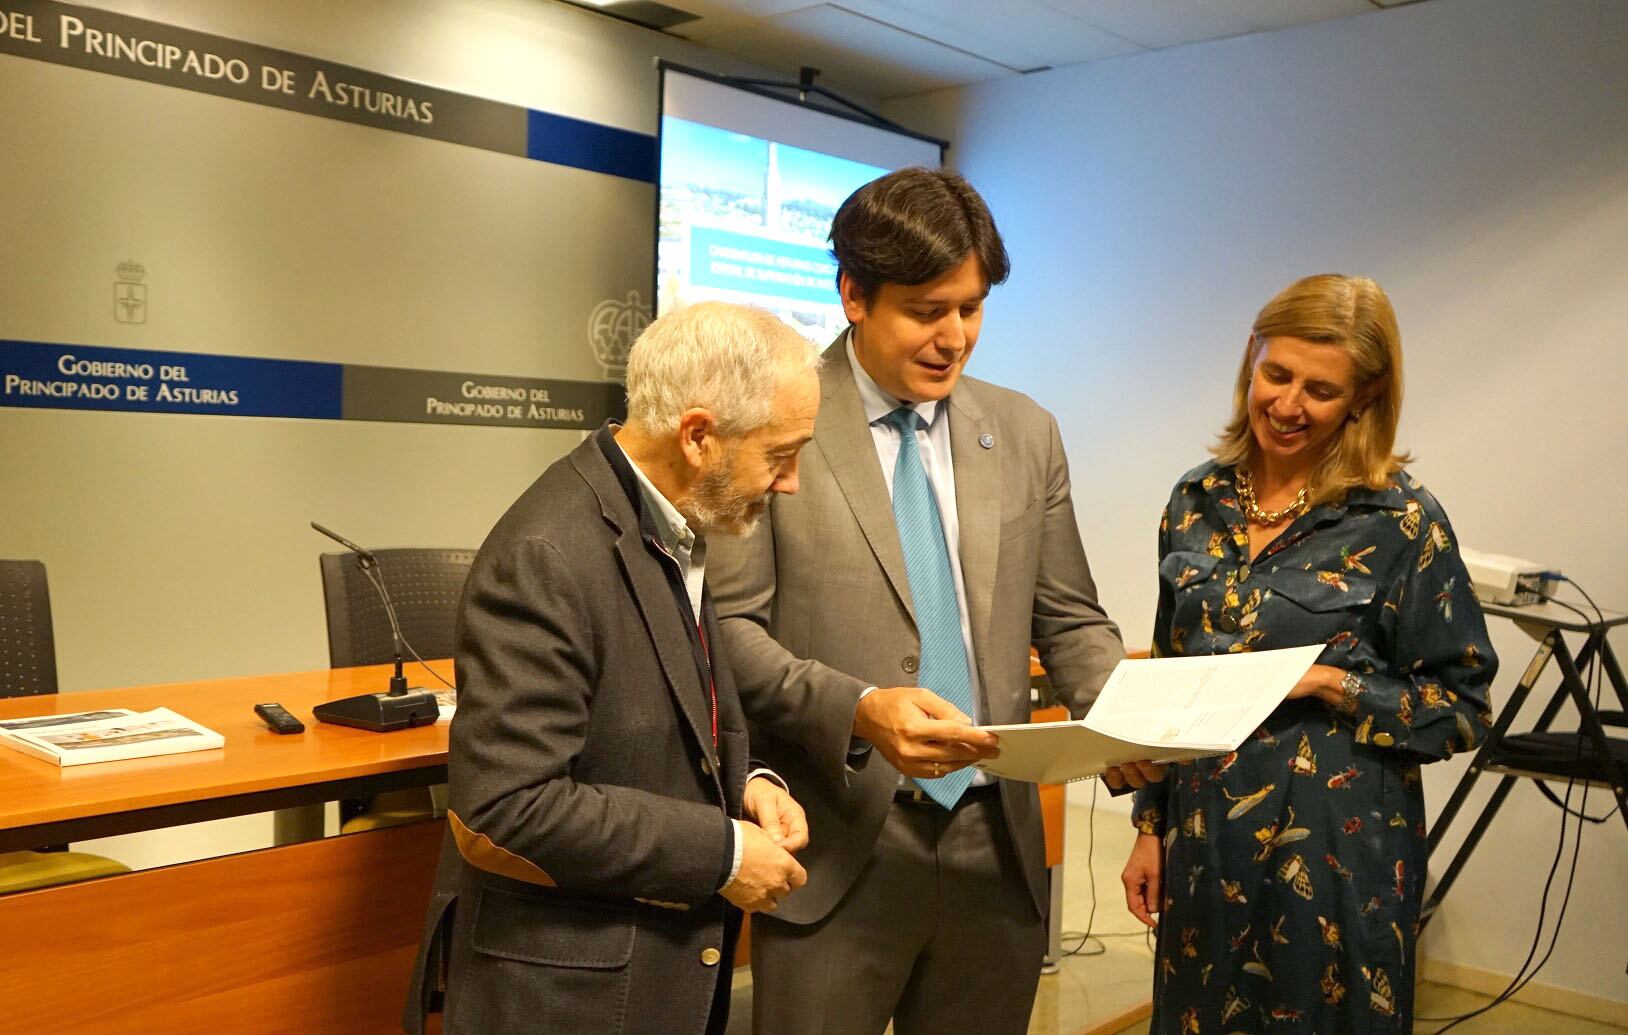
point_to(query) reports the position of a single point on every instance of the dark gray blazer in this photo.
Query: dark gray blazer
(588, 828)
(816, 607)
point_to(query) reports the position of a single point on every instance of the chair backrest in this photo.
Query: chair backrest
(28, 654)
(425, 585)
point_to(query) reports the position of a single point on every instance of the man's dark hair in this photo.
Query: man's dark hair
(913, 226)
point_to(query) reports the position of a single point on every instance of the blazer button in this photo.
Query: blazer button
(706, 765)
(1226, 623)
(710, 957)
(910, 664)
(1383, 739)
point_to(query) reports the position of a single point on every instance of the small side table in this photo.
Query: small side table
(1597, 764)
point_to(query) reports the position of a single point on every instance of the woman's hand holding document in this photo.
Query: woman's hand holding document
(1155, 710)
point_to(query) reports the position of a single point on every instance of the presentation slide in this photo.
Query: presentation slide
(749, 185)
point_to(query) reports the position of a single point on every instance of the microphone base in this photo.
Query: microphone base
(381, 713)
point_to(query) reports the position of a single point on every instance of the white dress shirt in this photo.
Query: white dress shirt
(933, 444)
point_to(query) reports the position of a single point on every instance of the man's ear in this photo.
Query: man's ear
(853, 302)
(697, 428)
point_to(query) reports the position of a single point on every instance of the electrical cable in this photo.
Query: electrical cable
(1516, 982)
(1522, 977)
(401, 637)
(1599, 616)
(1088, 942)
(1592, 687)
(1086, 938)
(1596, 607)
(1573, 608)
(426, 665)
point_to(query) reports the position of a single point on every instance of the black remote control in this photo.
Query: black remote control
(278, 718)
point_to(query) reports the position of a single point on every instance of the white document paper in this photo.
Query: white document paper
(1158, 709)
(446, 702)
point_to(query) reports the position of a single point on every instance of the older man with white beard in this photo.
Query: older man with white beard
(606, 829)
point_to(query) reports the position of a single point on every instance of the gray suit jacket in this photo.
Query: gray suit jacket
(589, 824)
(815, 607)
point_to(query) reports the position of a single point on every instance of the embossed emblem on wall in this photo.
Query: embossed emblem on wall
(129, 293)
(612, 327)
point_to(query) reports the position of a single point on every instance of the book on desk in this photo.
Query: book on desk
(108, 735)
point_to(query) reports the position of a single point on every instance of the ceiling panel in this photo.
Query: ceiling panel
(853, 52)
(716, 16)
(889, 48)
(1280, 14)
(739, 8)
(720, 16)
(1157, 23)
(1020, 34)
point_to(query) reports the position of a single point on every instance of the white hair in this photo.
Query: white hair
(726, 358)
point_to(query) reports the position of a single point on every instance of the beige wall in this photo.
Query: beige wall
(178, 546)
(1472, 155)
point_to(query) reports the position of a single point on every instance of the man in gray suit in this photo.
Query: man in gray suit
(886, 606)
(605, 829)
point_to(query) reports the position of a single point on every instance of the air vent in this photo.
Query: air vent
(647, 13)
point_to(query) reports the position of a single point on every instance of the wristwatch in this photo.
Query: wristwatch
(1350, 689)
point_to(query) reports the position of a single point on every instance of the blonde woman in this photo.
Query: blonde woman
(1288, 874)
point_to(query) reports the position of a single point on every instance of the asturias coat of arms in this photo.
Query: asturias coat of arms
(612, 327)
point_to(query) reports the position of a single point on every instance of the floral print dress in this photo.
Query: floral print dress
(1294, 867)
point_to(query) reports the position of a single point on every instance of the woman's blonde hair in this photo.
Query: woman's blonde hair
(1355, 314)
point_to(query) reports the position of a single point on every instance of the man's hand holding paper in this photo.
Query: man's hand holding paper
(920, 733)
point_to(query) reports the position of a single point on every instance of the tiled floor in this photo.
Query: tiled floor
(1088, 990)
(1506, 1019)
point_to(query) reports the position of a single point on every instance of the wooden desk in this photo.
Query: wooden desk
(257, 771)
(316, 937)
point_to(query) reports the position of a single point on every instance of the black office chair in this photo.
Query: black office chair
(28, 667)
(425, 586)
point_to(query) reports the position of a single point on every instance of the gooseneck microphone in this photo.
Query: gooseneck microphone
(370, 565)
(398, 708)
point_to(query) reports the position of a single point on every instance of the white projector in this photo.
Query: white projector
(1499, 579)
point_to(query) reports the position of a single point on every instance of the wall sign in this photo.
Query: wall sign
(86, 377)
(83, 37)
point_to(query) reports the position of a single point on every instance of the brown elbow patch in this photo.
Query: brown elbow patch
(480, 852)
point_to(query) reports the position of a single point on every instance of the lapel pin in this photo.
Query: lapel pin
(986, 440)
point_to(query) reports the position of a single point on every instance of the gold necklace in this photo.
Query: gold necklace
(1252, 508)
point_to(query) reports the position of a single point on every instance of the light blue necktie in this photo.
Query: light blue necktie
(932, 591)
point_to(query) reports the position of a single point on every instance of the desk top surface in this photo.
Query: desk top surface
(254, 758)
(1558, 615)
